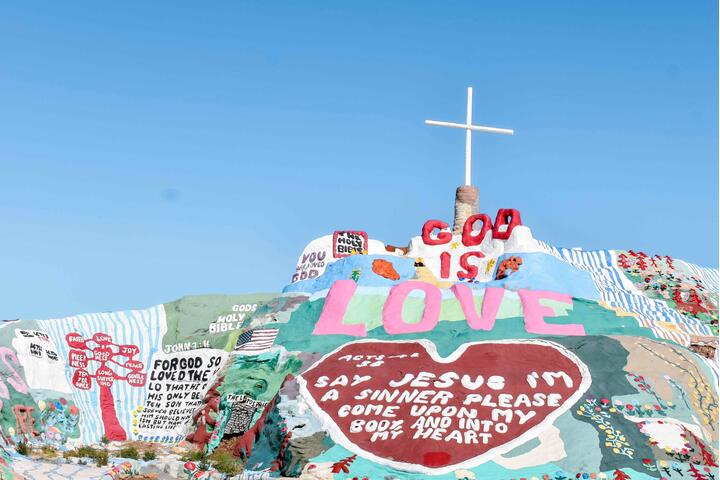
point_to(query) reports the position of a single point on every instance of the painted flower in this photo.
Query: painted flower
(647, 461)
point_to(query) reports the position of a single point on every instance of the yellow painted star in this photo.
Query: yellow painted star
(490, 265)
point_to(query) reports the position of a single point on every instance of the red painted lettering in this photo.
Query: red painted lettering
(469, 271)
(442, 237)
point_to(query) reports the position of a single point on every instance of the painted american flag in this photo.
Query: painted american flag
(256, 341)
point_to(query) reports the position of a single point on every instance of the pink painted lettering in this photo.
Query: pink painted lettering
(333, 312)
(392, 310)
(338, 298)
(535, 313)
(490, 306)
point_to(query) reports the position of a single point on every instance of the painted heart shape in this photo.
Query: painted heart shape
(400, 404)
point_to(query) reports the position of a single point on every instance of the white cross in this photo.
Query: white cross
(469, 127)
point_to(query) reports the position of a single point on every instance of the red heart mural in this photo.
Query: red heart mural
(402, 405)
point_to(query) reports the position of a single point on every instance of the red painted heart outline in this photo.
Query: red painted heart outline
(341, 438)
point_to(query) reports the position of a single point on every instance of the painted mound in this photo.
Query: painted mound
(482, 355)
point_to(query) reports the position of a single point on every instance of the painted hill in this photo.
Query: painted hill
(485, 354)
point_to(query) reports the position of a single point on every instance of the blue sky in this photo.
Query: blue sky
(150, 150)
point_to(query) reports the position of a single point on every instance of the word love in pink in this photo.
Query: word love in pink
(338, 298)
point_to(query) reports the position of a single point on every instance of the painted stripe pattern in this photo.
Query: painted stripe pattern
(618, 292)
(709, 276)
(144, 328)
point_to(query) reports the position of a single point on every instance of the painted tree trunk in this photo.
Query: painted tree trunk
(113, 429)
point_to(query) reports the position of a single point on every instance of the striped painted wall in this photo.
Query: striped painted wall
(709, 276)
(618, 292)
(144, 328)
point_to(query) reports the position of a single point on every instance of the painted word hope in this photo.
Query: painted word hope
(338, 298)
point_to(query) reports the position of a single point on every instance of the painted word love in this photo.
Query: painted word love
(400, 404)
(338, 298)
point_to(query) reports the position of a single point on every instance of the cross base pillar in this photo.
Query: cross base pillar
(466, 204)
